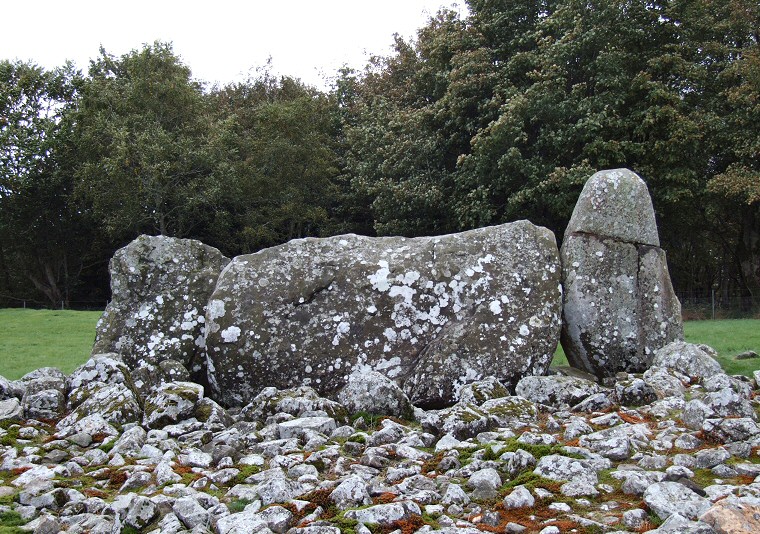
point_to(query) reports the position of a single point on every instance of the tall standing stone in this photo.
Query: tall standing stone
(619, 304)
(160, 286)
(431, 313)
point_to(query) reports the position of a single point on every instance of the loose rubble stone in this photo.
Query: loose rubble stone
(519, 498)
(689, 359)
(559, 391)
(667, 498)
(142, 511)
(172, 403)
(374, 393)
(481, 391)
(411, 308)
(351, 493)
(301, 426)
(619, 306)
(733, 516)
(294, 401)
(385, 514)
(10, 410)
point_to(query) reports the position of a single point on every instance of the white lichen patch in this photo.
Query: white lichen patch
(230, 334)
(215, 309)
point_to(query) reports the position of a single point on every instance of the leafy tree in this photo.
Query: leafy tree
(43, 235)
(274, 151)
(143, 129)
(505, 114)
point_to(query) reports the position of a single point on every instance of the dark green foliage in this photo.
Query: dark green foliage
(44, 238)
(274, 148)
(504, 116)
(238, 505)
(531, 481)
(10, 437)
(499, 116)
(11, 519)
(538, 451)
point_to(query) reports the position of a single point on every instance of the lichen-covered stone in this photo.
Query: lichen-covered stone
(694, 361)
(10, 410)
(510, 412)
(616, 204)
(461, 420)
(160, 286)
(45, 404)
(9, 389)
(116, 403)
(481, 391)
(634, 392)
(619, 303)
(42, 379)
(294, 401)
(667, 498)
(148, 377)
(432, 313)
(171, 403)
(558, 391)
(100, 368)
(374, 393)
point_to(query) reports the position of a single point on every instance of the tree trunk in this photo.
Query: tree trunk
(748, 254)
(47, 283)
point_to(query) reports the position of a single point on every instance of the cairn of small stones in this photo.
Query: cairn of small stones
(414, 423)
(674, 447)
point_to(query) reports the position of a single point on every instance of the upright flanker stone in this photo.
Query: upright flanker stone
(619, 304)
(432, 313)
(160, 287)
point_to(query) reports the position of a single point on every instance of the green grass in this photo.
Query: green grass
(728, 336)
(30, 339)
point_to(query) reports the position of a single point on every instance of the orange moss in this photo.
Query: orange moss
(431, 464)
(744, 480)
(99, 437)
(384, 498)
(117, 478)
(407, 526)
(564, 525)
(646, 526)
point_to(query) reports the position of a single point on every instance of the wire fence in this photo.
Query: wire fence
(7, 301)
(694, 305)
(716, 304)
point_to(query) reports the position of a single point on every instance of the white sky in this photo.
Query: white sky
(220, 40)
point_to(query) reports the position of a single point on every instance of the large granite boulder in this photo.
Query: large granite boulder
(432, 313)
(160, 287)
(619, 304)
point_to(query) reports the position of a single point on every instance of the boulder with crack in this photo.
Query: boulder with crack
(431, 313)
(619, 303)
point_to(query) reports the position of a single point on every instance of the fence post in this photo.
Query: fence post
(713, 304)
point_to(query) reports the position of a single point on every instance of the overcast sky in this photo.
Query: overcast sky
(219, 40)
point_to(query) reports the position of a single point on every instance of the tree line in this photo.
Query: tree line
(497, 116)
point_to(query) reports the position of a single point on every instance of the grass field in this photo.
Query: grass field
(46, 338)
(30, 339)
(728, 336)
